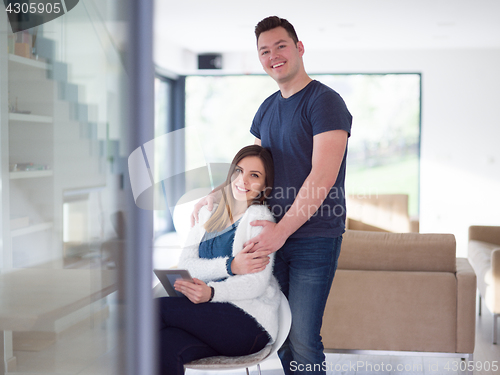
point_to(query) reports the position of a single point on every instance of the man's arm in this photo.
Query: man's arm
(257, 142)
(328, 152)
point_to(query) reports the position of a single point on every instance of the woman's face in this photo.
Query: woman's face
(248, 180)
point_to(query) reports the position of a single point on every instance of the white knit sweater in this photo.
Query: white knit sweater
(257, 293)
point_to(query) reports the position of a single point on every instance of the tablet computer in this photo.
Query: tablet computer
(167, 279)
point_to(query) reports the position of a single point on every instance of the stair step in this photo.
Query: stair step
(45, 48)
(68, 92)
(59, 72)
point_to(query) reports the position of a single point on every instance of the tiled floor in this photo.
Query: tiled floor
(348, 364)
(92, 350)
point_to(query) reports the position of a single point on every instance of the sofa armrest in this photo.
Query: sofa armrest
(495, 265)
(495, 275)
(466, 306)
(484, 233)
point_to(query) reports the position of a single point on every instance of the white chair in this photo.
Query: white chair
(181, 214)
(228, 363)
(183, 209)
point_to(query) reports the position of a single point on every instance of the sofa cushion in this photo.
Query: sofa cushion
(363, 250)
(479, 255)
(480, 259)
(481, 251)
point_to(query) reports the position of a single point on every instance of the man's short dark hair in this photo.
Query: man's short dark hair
(273, 22)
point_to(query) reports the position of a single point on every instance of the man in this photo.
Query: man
(305, 125)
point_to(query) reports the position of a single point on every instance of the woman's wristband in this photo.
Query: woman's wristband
(211, 294)
(228, 266)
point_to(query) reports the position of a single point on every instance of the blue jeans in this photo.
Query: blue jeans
(305, 268)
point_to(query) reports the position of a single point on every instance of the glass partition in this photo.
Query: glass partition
(63, 188)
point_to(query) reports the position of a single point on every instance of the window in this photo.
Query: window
(384, 148)
(163, 124)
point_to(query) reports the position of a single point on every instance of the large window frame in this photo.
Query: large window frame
(169, 117)
(416, 126)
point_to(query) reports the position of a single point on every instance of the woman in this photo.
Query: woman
(229, 310)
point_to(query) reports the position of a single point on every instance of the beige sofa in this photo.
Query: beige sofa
(401, 292)
(484, 256)
(380, 213)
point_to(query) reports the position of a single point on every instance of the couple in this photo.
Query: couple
(305, 125)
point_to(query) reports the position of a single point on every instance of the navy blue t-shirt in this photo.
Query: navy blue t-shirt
(286, 127)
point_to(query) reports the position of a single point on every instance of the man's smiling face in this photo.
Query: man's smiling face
(279, 55)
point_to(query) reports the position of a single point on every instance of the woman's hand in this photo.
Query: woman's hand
(197, 292)
(248, 261)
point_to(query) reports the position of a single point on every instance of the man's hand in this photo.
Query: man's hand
(207, 201)
(197, 292)
(249, 261)
(271, 238)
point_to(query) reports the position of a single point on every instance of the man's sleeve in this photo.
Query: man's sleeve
(255, 128)
(329, 112)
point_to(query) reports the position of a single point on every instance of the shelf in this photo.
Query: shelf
(30, 174)
(31, 229)
(28, 62)
(30, 118)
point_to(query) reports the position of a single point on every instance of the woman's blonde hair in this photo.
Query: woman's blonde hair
(223, 215)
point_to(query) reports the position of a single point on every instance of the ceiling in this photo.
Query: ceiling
(227, 25)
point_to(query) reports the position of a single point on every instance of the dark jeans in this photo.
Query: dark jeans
(305, 268)
(188, 331)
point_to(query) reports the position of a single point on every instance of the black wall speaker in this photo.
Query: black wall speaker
(210, 61)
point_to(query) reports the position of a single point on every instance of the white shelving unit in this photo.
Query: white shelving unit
(31, 229)
(22, 117)
(28, 138)
(28, 62)
(30, 174)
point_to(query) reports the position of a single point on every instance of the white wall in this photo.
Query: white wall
(460, 146)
